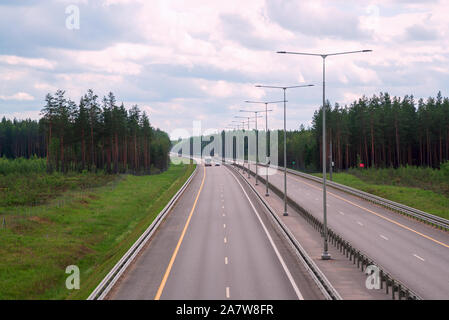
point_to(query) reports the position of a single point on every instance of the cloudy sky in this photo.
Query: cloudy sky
(183, 61)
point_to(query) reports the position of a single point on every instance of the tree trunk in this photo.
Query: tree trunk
(92, 153)
(347, 156)
(83, 150)
(397, 143)
(372, 144)
(135, 153)
(61, 139)
(48, 149)
(429, 152)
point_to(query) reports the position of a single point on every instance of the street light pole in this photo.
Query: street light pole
(266, 147)
(285, 155)
(234, 152)
(243, 128)
(266, 142)
(257, 146)
(325, 255)
(257, 141)
(249, 175)
(285, 137)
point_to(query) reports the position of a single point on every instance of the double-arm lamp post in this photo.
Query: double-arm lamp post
(285, 136)
(256, 112)
(243, 127)
(266, 134)
(325, 255)
(249, 119)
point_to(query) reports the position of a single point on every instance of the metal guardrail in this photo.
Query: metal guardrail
(317, 275)
(358, 257)
(111, 278)
(417, 214)
(398, 207)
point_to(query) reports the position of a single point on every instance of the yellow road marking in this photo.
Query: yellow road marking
(377, 214)
(181, 238)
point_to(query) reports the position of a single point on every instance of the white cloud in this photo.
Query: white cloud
(19, 96)
(29, 62)
(201, 59)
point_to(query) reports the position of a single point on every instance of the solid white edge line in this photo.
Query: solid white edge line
(281, 260)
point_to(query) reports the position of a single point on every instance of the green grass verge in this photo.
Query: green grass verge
(33, 189)
(89, 228)
(425, 200)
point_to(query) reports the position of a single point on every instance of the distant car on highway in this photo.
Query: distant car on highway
(208, 161)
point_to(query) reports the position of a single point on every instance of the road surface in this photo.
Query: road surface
(414, 253)
(216, 244)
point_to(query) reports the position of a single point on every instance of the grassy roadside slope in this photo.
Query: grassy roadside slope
(425, 200)
(89, 229)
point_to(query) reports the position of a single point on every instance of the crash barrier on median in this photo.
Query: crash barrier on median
(319, 278)
(392, 286)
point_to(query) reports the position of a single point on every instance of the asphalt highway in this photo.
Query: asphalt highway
(414, 253)
(216, 243)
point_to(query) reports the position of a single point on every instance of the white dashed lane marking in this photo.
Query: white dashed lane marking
(418, 257)
(383, 237)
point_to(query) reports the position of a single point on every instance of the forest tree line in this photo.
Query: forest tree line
(91, 135)
(381, 131)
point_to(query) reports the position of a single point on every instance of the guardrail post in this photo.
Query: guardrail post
(393, 289)
(381, 275)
